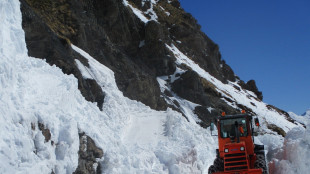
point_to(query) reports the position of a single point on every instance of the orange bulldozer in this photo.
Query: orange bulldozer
(237, 153)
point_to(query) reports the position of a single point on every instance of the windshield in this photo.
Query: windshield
(228, 127)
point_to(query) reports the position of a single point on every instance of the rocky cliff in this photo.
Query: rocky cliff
(135, 49)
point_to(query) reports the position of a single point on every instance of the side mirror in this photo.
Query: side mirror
(212, 127)
(256, 122)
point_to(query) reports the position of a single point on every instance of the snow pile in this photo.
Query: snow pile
(134, 138)
(31, 91)
(294, 156)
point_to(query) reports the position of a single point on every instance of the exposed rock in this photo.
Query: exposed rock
(281, 112)
(251, 86)
(175, 3)
(277, 129)
(45, 131)
(190, 87)
(205, 115)
(88, 155)
(107, 30)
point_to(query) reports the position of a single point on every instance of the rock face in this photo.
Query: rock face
(110, 32)
(88, 155)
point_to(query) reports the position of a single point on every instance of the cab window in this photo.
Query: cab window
(228, 127)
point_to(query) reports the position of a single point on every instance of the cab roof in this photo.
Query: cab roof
(226, 117)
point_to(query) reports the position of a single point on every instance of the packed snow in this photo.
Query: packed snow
(293, 157)
(134, 138)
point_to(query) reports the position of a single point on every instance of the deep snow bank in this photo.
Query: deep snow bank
(293, 158)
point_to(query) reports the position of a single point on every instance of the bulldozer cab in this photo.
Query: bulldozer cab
(237, 152)
(228, 127)
(233, 129)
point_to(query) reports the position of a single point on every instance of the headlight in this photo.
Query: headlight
(242, 148)
(226, 150)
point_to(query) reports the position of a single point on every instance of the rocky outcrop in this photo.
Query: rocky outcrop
(251, 86)
(276, 129)
(89, 154)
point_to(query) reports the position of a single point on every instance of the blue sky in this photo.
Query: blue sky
(268, 41)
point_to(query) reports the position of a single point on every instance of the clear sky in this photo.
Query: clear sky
(268, 41)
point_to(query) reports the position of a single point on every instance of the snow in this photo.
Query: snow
(134, 138)
(136, 11)
(294, 156)
(140, 14)
(83, 70)
(300, 118)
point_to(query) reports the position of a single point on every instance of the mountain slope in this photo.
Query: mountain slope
(35, 93)
(134, 39)
(44, 115)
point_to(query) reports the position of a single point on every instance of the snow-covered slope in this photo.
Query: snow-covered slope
(134, 138)
(301, 118)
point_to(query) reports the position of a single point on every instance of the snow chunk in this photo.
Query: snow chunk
(294, 156)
